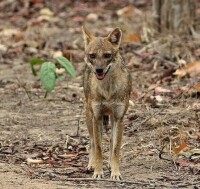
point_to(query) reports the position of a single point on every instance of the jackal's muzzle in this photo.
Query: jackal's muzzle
(101, 73)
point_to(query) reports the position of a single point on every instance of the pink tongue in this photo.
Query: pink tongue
(100, 76)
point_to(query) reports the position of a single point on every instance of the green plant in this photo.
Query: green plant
(48, 75)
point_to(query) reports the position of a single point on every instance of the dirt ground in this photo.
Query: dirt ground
(44, 141)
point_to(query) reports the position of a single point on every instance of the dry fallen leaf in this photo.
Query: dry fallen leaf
(159, 90)
(192, 69)
(60, 71)
(197, 87)
(46, 18)
(179, 148)
(131, 103)
(34, 161)
(185, 164)
(92, 17)
(196, 106)
(67, 156)
(3, 48)
(57, 54)
(158, 98)
(135, 37)
(9, 32)
(153, 121)
(197, 52)
(46, 11)
(126, 11)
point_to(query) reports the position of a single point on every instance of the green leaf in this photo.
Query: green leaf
(48, 76)
(67, 65)
(35, 61)
(34, 71)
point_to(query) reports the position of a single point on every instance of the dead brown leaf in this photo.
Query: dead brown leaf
(34, 161)
(179, 148)
(71, 156)
(196, 106)
(189, 164)
(126, 11)
(159, 90)
(197, 52)
(192, 69)
(197, 87)
(92, 17)
(135, 37)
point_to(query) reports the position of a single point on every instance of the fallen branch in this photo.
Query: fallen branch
(161, 155)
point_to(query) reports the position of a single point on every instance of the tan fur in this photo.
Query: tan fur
(109, 96)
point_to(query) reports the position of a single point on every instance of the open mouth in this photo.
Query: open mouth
(100, 76)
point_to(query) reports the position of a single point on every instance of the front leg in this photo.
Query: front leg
(116, 139)
(117, 133)
(97, 133)
(89, 118)
(98, 158)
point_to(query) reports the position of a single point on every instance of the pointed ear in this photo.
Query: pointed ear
(115, 36)
(87, 36)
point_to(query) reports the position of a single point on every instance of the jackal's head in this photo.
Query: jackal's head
(101, 52)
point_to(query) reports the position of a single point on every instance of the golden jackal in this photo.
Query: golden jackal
(107, 87)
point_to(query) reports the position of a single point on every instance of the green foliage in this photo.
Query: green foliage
(33, 62)
(66, 64)
(48, 75)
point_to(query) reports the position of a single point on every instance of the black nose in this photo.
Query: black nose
(99, 70)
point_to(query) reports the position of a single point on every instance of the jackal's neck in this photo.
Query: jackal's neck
(112, 81)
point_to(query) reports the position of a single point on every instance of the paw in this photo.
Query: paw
(116, 176)
(98, 175)
(91, 166)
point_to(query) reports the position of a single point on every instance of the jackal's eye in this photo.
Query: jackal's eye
(92, 56)
(107, 55)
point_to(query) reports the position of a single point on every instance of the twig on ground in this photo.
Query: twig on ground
(171, 160)
(161, 157)
(149, 46)
(46, 93)
(193, 155)
(23, 86)
(155, 113)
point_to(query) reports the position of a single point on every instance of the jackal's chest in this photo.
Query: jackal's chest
(107, 91)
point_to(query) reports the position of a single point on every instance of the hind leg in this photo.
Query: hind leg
(106, 122)
(111, 139)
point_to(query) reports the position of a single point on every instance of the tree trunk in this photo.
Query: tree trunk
(173, 16)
